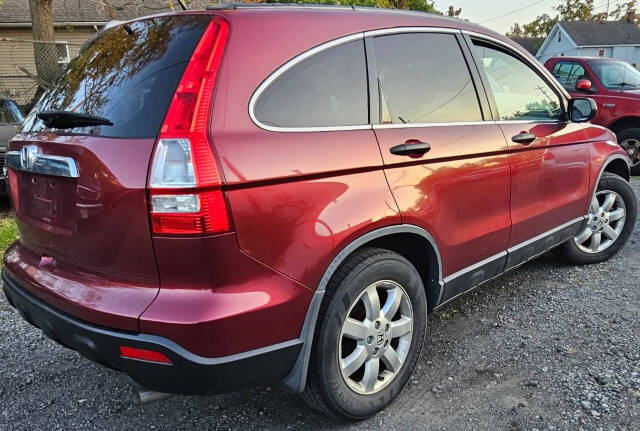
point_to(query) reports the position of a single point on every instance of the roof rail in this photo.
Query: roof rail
(231, 6)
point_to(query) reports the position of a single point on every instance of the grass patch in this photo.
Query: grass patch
(8, 233)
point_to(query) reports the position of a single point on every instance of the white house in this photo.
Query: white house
(612, 39)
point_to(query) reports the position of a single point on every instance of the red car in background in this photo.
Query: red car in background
(615, 86)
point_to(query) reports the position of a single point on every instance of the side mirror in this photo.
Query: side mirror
(583, 85)
(582, 110)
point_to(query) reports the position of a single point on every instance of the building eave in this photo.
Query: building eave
(607, 46)
(55, 24)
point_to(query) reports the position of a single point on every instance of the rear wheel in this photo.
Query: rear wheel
(612, 216)
(629, 140)
(370, 333)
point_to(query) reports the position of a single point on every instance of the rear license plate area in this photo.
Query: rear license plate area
(48, 199)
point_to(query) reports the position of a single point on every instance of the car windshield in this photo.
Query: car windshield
(10, 113)
(616, 75)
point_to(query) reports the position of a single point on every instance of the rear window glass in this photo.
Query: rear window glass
(128, 77)
(326, 90)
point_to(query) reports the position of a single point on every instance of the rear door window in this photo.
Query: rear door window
(127, 75)
(423, 78)
(519, 92)
(328, 89)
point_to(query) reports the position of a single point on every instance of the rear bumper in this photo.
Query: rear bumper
(187, 374)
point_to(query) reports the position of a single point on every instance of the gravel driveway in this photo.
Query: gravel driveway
(546, 347)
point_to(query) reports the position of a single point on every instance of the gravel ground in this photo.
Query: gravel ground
(545, 347)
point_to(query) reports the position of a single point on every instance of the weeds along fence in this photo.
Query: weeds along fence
(19, 76)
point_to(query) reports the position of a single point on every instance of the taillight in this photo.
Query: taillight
(184, 182)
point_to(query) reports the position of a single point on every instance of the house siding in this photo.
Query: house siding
(14, 54)
(566, 47)
(555, 48)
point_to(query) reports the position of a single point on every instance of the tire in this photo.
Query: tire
(629, 139)
(581, 252)
(381, 272)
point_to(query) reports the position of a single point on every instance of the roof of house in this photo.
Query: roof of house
(86, 11)
(602, 33)
(531, 44)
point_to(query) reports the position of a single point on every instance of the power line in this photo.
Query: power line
(513, 11)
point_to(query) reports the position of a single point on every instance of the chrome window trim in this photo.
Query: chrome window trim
(397, 30)
(443, 124)
(463, 123)
(531, 122)
(284, 68)
(537, 66)
(45, 164)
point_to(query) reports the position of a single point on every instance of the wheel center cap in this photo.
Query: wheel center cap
(380, 338)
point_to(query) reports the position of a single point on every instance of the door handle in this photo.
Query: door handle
(524, 138)
(411, 148)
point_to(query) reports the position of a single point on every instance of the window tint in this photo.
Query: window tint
(423, 78)
(519, 92)
(326, 90)
(128, 78)
(568, 74)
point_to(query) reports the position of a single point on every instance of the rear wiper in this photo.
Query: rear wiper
(69, 119)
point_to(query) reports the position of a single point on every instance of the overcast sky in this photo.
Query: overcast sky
(485, 10)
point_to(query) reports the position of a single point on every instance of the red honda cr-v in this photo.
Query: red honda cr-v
(237, 196)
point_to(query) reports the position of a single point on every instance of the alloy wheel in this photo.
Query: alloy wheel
(632, 147)
(607, 214)
(375, 337)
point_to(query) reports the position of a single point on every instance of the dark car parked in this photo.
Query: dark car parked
(251, 195)
(615, 86)
(10, 119)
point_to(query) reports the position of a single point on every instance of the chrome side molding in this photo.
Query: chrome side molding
(30, 160)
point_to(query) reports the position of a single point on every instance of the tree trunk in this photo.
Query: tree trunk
(46, 56)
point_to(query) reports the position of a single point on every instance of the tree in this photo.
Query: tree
(46, 56)
(622, 10)
(516, 31)
(568, 10)
(453, 11)
(579, 10)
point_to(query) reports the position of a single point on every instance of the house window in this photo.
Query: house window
(559, 37)
(62, 49)
(601, 53)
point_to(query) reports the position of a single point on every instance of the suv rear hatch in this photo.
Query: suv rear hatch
(79, 193)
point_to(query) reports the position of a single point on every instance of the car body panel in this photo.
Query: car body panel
(549, 177)
(94, 227)
(296, 201)
(467, 167)
(217, 301)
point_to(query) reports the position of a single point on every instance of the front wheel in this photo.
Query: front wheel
(629, 140)
(611, 219)
(370, 333)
